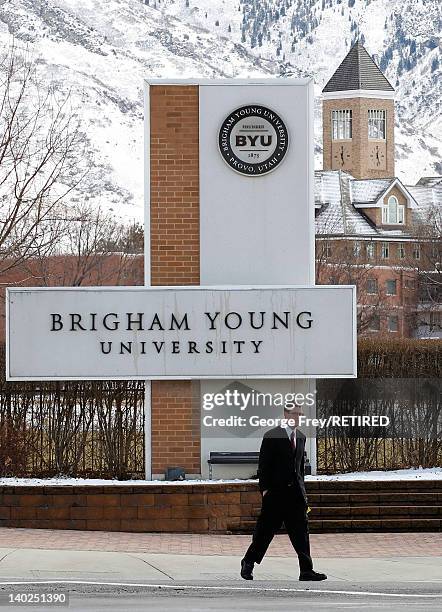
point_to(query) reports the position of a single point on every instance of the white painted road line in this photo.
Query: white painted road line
(175, 587)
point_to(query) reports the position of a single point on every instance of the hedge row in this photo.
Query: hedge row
(399, 358)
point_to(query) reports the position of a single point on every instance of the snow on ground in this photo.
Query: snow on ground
(410, 474)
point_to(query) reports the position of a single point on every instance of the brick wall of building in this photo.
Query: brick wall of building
(360, 145)
(344, 266)
(174, 219)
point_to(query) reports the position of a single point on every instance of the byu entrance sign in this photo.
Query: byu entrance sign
(181, 333)
(229, 209)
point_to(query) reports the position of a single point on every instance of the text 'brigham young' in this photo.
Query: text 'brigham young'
(138, 321)
(156, 323)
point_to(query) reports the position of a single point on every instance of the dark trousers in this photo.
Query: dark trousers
(286, 506)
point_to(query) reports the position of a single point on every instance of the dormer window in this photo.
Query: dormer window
(376, 124)
(341, 124)
(393, 213)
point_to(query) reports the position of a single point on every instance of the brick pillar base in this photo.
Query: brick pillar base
(175, 427)
(175, 257)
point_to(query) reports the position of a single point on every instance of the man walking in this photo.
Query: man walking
(281, 482)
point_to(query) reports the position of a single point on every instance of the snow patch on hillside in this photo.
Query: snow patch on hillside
(102, 51)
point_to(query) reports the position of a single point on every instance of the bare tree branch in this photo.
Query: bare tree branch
(40, 147)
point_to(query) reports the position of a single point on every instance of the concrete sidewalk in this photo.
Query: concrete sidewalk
(40, 564)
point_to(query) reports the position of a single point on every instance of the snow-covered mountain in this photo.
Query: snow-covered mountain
(100, 51)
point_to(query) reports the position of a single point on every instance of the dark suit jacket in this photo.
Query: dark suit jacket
(278, 466)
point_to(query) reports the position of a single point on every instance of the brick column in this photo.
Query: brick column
(175, 256)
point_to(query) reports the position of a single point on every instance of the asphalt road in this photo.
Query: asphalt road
(256, 597)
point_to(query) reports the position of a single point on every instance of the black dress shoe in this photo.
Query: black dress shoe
(311, 575)
(247, 569)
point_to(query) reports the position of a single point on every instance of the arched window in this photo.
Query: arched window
(392, 212)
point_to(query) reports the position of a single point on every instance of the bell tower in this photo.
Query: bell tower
(358, 118)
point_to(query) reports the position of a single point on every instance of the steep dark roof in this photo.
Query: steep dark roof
(358, 71)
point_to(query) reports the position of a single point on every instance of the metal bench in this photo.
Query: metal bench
(235, 458)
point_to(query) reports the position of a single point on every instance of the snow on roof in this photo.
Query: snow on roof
(430, 181)
(339, 198)
(428, 195)
(424, 196)
(337, 214)
(328, 196)
(368, 191)
(327, 186)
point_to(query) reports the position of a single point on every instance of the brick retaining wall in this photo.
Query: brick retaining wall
(170, 508)
(220, 508)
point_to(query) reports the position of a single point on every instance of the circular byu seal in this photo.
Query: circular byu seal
(253, 140)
